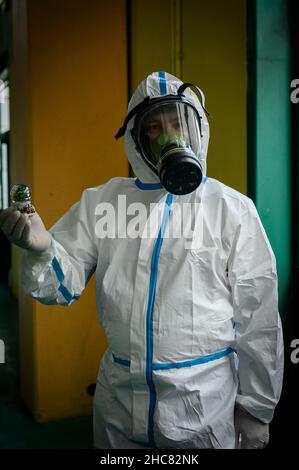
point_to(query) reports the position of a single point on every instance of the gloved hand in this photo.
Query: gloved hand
(24, 231)
(251, 433)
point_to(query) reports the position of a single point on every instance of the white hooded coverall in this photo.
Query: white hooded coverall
(191, 331)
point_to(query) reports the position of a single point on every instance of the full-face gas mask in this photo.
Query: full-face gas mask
(167, 134)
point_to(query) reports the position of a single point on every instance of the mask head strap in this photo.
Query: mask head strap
(183, 87)
(129, 116)
(147, 100)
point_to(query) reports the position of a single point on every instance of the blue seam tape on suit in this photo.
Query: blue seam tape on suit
(152, 186)
(162, 83)
(60, 276)
(194, 362)
(178, 365)
(149, 318)
(90, 275)
(57, 269)
(147, 186)
(123, 362)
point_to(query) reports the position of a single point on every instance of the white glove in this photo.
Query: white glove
(251, 433)
(24, 231)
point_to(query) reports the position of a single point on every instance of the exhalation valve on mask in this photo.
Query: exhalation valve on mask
(179, 170)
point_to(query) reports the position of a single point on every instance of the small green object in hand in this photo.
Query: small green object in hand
(20, 195)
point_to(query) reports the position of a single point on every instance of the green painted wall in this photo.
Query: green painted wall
(269, 155)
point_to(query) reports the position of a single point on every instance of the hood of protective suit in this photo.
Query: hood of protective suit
(155, 85)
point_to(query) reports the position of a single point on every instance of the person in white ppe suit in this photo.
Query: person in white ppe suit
(195, 349)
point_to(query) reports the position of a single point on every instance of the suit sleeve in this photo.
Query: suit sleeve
(259, 339)
(59, 275)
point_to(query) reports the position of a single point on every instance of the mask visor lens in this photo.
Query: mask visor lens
(168, 126)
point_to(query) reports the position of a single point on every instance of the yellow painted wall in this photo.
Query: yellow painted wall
(150, 44)
(214, 42)
(69, 97)
(205, 43)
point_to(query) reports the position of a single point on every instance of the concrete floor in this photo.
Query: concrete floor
(17, 428)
